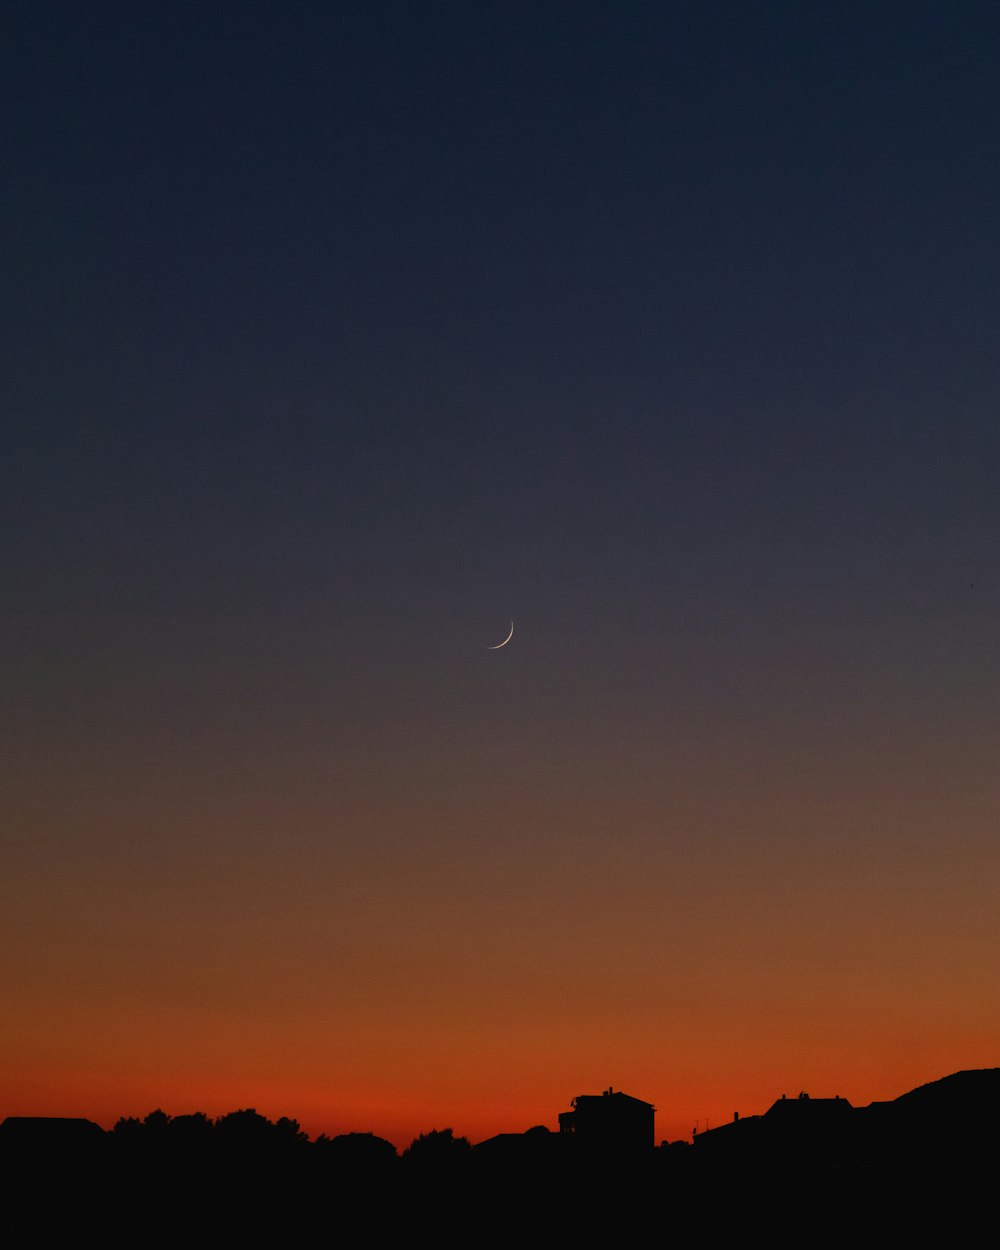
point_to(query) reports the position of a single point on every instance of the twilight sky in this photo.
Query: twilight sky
(337, 335)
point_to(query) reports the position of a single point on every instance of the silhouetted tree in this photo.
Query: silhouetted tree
(156, 1121)
(360, 1151)
(128, 1128)
(244, 1128)
(289, 1132)
(192, 1135)
(439, 1147)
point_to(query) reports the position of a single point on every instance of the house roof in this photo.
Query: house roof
(613, 1094)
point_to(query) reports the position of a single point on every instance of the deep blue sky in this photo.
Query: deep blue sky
(631, 276)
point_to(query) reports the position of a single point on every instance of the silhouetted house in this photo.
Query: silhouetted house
(501, 1144)
(804, 1113)
(818, 1130)
(538, 1148)
(610, 1121)
(739, 1134)
(54, 1173)
(803, 1131)
(36, 1132)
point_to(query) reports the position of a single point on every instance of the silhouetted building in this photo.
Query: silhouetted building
(49, 1132)
(610, 1121)
(804, 1132)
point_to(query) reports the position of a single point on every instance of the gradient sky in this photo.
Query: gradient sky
(337, 335)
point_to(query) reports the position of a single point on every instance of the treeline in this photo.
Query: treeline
(246, 1134)
(190, 1178)
(196, 1180)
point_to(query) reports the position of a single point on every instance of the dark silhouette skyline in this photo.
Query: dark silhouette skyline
(613, 1120)
(245, 1173)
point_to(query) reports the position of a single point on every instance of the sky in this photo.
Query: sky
(339, 336)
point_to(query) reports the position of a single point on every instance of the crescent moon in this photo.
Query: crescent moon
(505, 641)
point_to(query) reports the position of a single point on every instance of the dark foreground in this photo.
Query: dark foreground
(926, 1168)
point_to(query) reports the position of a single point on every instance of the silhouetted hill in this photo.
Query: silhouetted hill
(972, 1090)
(947, 1125)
